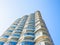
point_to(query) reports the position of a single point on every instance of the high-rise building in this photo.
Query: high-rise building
(28, 30)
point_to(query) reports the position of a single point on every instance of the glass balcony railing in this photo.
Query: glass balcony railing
(28, 35)
(9, 30)
(10, 43)
(18, 31)
(27, 43)
(1, 43)
(5, 36)
(16, 35)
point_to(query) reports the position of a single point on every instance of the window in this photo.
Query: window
(38, 27)
(11, 43)
(31, 22)
(17, 31)
(13, 26)
(38, 23)
(38, 43)
(38, 34)
(46, 43)
(14, 39)
(9, 30)
(31, 38)
(36, 20)
(45, 33)
(5, 36)
(27, 43)
(29, 33)
(30, 28)
(17, 35)
(1, 43)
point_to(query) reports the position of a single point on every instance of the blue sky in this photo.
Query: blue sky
(10, 10)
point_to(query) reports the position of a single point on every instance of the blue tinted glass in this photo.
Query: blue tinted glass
(18, 31)
(9, 30)
(27, 43)
(30, 27)
(13, 26)
(5, 36)
(16, 35)
(1, 43)
(29, 38)
(29, 33)
(11, 43)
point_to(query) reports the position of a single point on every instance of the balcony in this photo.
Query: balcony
(26, 43)
(28, 36)
(40, 28)
(10, 43)
(1, 43)
(13, 39)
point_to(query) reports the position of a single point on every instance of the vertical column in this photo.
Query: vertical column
(8, 32)
(27, 36)
(13, 39)
(42, 36)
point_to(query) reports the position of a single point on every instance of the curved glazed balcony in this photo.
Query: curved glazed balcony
(40, 23)
(42, 39)
(10, 43)
(41, 33)
(44, 43)
(3, 39)
(27, 35)
(40, 28)
(9, 30)
(5, 36)
(12, 28)
(13, 40)
(25, 38)
(18, 31)
(7, 33)
(26, 42)
(15, 35)
(29, 29)
(2, 43)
